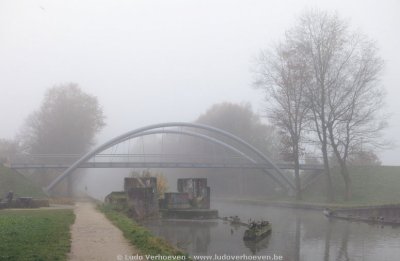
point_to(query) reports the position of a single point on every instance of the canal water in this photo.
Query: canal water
(296, 235)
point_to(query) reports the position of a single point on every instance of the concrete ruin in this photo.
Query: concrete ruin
(25, 202)
(143, 182)
(199, 193)
(192, 201)
(175, 200)
(140, 197)
(116, 198)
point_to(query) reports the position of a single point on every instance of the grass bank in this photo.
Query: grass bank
(35, 234)
(372, 186)
(22, 186)
(139, 236)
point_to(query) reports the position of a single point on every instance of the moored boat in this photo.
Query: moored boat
(257, 230)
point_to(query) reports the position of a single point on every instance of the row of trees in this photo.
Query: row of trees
(322, 86)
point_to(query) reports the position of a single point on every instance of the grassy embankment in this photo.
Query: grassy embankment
(139, 236)
(22, 186)
(372, 185)
(35, 234)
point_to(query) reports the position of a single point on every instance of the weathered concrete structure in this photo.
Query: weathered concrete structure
(116, 197)
(142, 182)
(192, 213)
(25, 202)
(192, 201)
(197, 190)
(176, 200)
(141, 195)
(142, 202)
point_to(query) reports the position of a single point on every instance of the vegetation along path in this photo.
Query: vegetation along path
(95, 238)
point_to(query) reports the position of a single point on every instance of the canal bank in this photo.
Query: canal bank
(381, 213)
(138, 235)
(297, 234)
(305, 205)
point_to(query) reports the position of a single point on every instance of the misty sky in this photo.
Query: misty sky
(158, 61)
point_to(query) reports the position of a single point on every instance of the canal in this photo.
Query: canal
(296, 235)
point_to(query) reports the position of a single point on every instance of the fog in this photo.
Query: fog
(222, 182)
(160, 61)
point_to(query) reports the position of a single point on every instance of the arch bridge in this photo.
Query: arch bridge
(242, 155)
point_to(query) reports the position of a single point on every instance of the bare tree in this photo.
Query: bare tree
(325, 73)
(284, 75)
(316, 37)
(355, 103)
(343, 95)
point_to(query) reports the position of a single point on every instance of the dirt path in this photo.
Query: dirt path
(94, 237)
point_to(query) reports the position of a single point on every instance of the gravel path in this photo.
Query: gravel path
(94, 237)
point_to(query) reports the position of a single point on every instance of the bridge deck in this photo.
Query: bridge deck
(164, 165)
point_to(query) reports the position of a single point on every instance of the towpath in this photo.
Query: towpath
(94, 237)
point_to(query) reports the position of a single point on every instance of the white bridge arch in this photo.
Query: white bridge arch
(273, 170)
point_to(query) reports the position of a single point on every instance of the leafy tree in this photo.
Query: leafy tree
(241, 121)
(364, 158)
(8, 148)
(66, 122)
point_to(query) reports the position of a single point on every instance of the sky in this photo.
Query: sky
(153, 61)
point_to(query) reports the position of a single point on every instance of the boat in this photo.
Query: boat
(256, 246)
(257, 230)
(234, 221)
(327, 212)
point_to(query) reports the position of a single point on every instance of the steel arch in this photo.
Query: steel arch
(212, 140)
(141, 131)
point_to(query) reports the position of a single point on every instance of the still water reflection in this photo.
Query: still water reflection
(296, 235)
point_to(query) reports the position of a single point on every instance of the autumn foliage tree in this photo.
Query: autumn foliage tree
(240, 120)
(66, 123)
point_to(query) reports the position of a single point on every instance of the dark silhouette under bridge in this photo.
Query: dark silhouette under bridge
(243, 155)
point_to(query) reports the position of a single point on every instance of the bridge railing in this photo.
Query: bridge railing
(141, 160)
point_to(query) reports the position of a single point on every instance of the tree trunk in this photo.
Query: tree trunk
(329, 189)
(347, 180)
(343, 168)
(297, 173)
